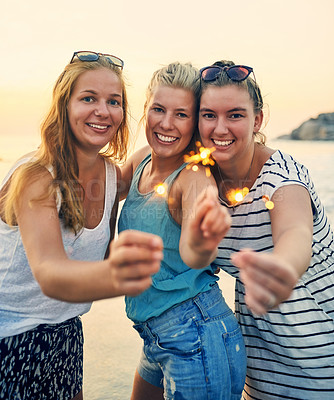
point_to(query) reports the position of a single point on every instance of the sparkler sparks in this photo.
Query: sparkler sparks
(160, 189)
(203, 156)
(235, 196)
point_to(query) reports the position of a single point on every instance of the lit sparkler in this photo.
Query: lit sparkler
(203, 156)
(160, 189)
(235, 196)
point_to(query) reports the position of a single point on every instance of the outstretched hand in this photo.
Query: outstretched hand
(205, 226)
(211, 220)
(268, 279)
(134, 257)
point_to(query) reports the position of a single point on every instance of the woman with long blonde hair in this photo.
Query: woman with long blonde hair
(58, 210)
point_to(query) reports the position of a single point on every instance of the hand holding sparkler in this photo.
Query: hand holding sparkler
(134, 257)
(206, 227)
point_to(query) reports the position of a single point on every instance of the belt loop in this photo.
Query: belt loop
(201, 307)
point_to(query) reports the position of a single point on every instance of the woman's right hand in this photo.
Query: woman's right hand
(268, 279)
(134, 257)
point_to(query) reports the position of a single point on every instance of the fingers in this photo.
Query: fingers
(269, 264)
(214, 219)
(216, 222)
(258, 299)
(134, 257)
(131, 237)
(134, 253)
(135, 287)
(254, 306)
(268, 279)
(204, 204)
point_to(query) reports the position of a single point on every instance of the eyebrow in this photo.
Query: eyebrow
(93, 92)
(205, 109)
(231, 110)
(238, 109)
(156, 104)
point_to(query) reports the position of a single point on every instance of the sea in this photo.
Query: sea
(112, 347)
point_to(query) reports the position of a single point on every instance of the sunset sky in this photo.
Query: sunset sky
(289, 43)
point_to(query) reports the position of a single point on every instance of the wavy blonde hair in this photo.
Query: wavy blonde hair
(57, 150)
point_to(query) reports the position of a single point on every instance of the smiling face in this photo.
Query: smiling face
(227, 121)
(170, 120)
(95, 109)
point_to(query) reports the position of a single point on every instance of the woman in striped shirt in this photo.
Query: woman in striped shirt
(285, 304)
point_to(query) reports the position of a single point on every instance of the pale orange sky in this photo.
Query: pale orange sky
(289, 43)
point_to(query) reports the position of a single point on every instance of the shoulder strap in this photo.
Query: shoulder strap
(14, 168)
(111, 183)
(171, 178)
(138, 171)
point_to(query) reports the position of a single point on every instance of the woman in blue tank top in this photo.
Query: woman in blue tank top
(193, 348)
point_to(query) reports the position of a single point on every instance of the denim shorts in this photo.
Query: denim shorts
(45, 363)
(195, 350)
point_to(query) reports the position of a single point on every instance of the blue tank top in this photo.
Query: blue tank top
(175, 282)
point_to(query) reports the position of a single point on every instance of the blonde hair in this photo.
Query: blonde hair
(57, 149)
(248, 84)
(183, 76)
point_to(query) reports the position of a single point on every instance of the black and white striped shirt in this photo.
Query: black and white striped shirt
(290, 350)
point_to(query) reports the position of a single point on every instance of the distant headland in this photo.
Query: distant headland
(320, 128)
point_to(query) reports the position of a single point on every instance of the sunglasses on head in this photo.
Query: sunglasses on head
(92, 56)
(236, 73)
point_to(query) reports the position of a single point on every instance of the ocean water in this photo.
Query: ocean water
(112, 347)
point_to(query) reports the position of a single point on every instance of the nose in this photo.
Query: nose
(221, 126)
(101, 109)
(166, 121)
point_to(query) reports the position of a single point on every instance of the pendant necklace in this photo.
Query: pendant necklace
(246, 179)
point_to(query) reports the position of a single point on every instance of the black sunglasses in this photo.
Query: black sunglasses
(92, 56)
(236, 73)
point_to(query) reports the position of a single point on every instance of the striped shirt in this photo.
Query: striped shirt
(290, 350)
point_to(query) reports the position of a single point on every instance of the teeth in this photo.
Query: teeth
(166, 138)
(98, 126)
(222, 142)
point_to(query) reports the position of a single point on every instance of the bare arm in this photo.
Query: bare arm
(204, 221)
(133, 258)
(269, 278)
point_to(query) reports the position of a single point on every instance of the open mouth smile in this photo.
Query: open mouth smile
(99, 127)
(222, 142)
(166, 139)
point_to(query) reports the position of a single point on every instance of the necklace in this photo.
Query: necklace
(231, 194)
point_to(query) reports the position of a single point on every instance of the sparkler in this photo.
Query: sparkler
(203, 156)
(235, 196)
(160, 189)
